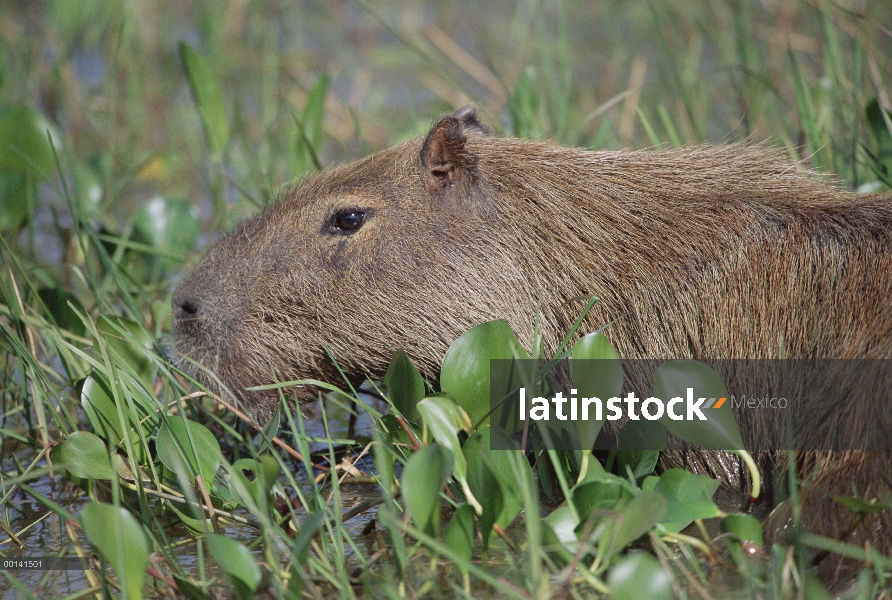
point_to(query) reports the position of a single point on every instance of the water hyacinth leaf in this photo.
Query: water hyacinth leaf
(639, 575)
(560, 533)
(747, 533)
(256, 478)
(209, 99)
(491, 480)
(597, 373)
(56, 300)
(405, 387)
(120, 539)
(465, 369)
(424, 476)
(181, 442)
(189, 589)
(720, 430)
(459, 534)
(236, 561)
(197, 527)
(598, 494)
(130, 342)
(24, 146)
(444, 418)
(98, 403)
(638, 463)
(84, 454)
(689, 497)
(639, 445)
(635, 519)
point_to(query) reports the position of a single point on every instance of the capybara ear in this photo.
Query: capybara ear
(444, 155)
(467, 117)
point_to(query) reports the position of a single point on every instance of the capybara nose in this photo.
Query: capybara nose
(187, 309)
(186, 306)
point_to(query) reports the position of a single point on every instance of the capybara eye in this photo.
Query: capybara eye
(347, 221)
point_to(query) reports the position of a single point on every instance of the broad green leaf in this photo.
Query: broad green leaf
(597, 373)
(120, 539)
(602, 493)
(689, 497)
(638, 517)
(444, 418)
(639, 575)
(197, 527)
(459, 534)
(465, 370)
(236, 561)
(720, 430)
(747, 536)
(560, 533)
(405, 387)
(175, 449)
(424, 476)
(491, 481)
(98, 403)
(639, 462)
(191, 589)
(84, 454)
(24, 146)
(256, 478)
(206, 92)
(639, 446)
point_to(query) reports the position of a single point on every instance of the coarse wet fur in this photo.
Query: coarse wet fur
(709, 252)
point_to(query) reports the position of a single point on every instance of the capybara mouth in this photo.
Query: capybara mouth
(233, 386)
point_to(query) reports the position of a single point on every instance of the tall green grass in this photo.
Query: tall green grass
(123, 153)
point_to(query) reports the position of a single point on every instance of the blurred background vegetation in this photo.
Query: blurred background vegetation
(108, 76)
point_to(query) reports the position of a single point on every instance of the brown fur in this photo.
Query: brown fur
(709, 252)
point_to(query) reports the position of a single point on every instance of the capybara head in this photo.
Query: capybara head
(391, 252)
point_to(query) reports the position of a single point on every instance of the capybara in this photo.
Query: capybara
(708, 252)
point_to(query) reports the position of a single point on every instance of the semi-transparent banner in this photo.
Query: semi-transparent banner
(757, 405)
